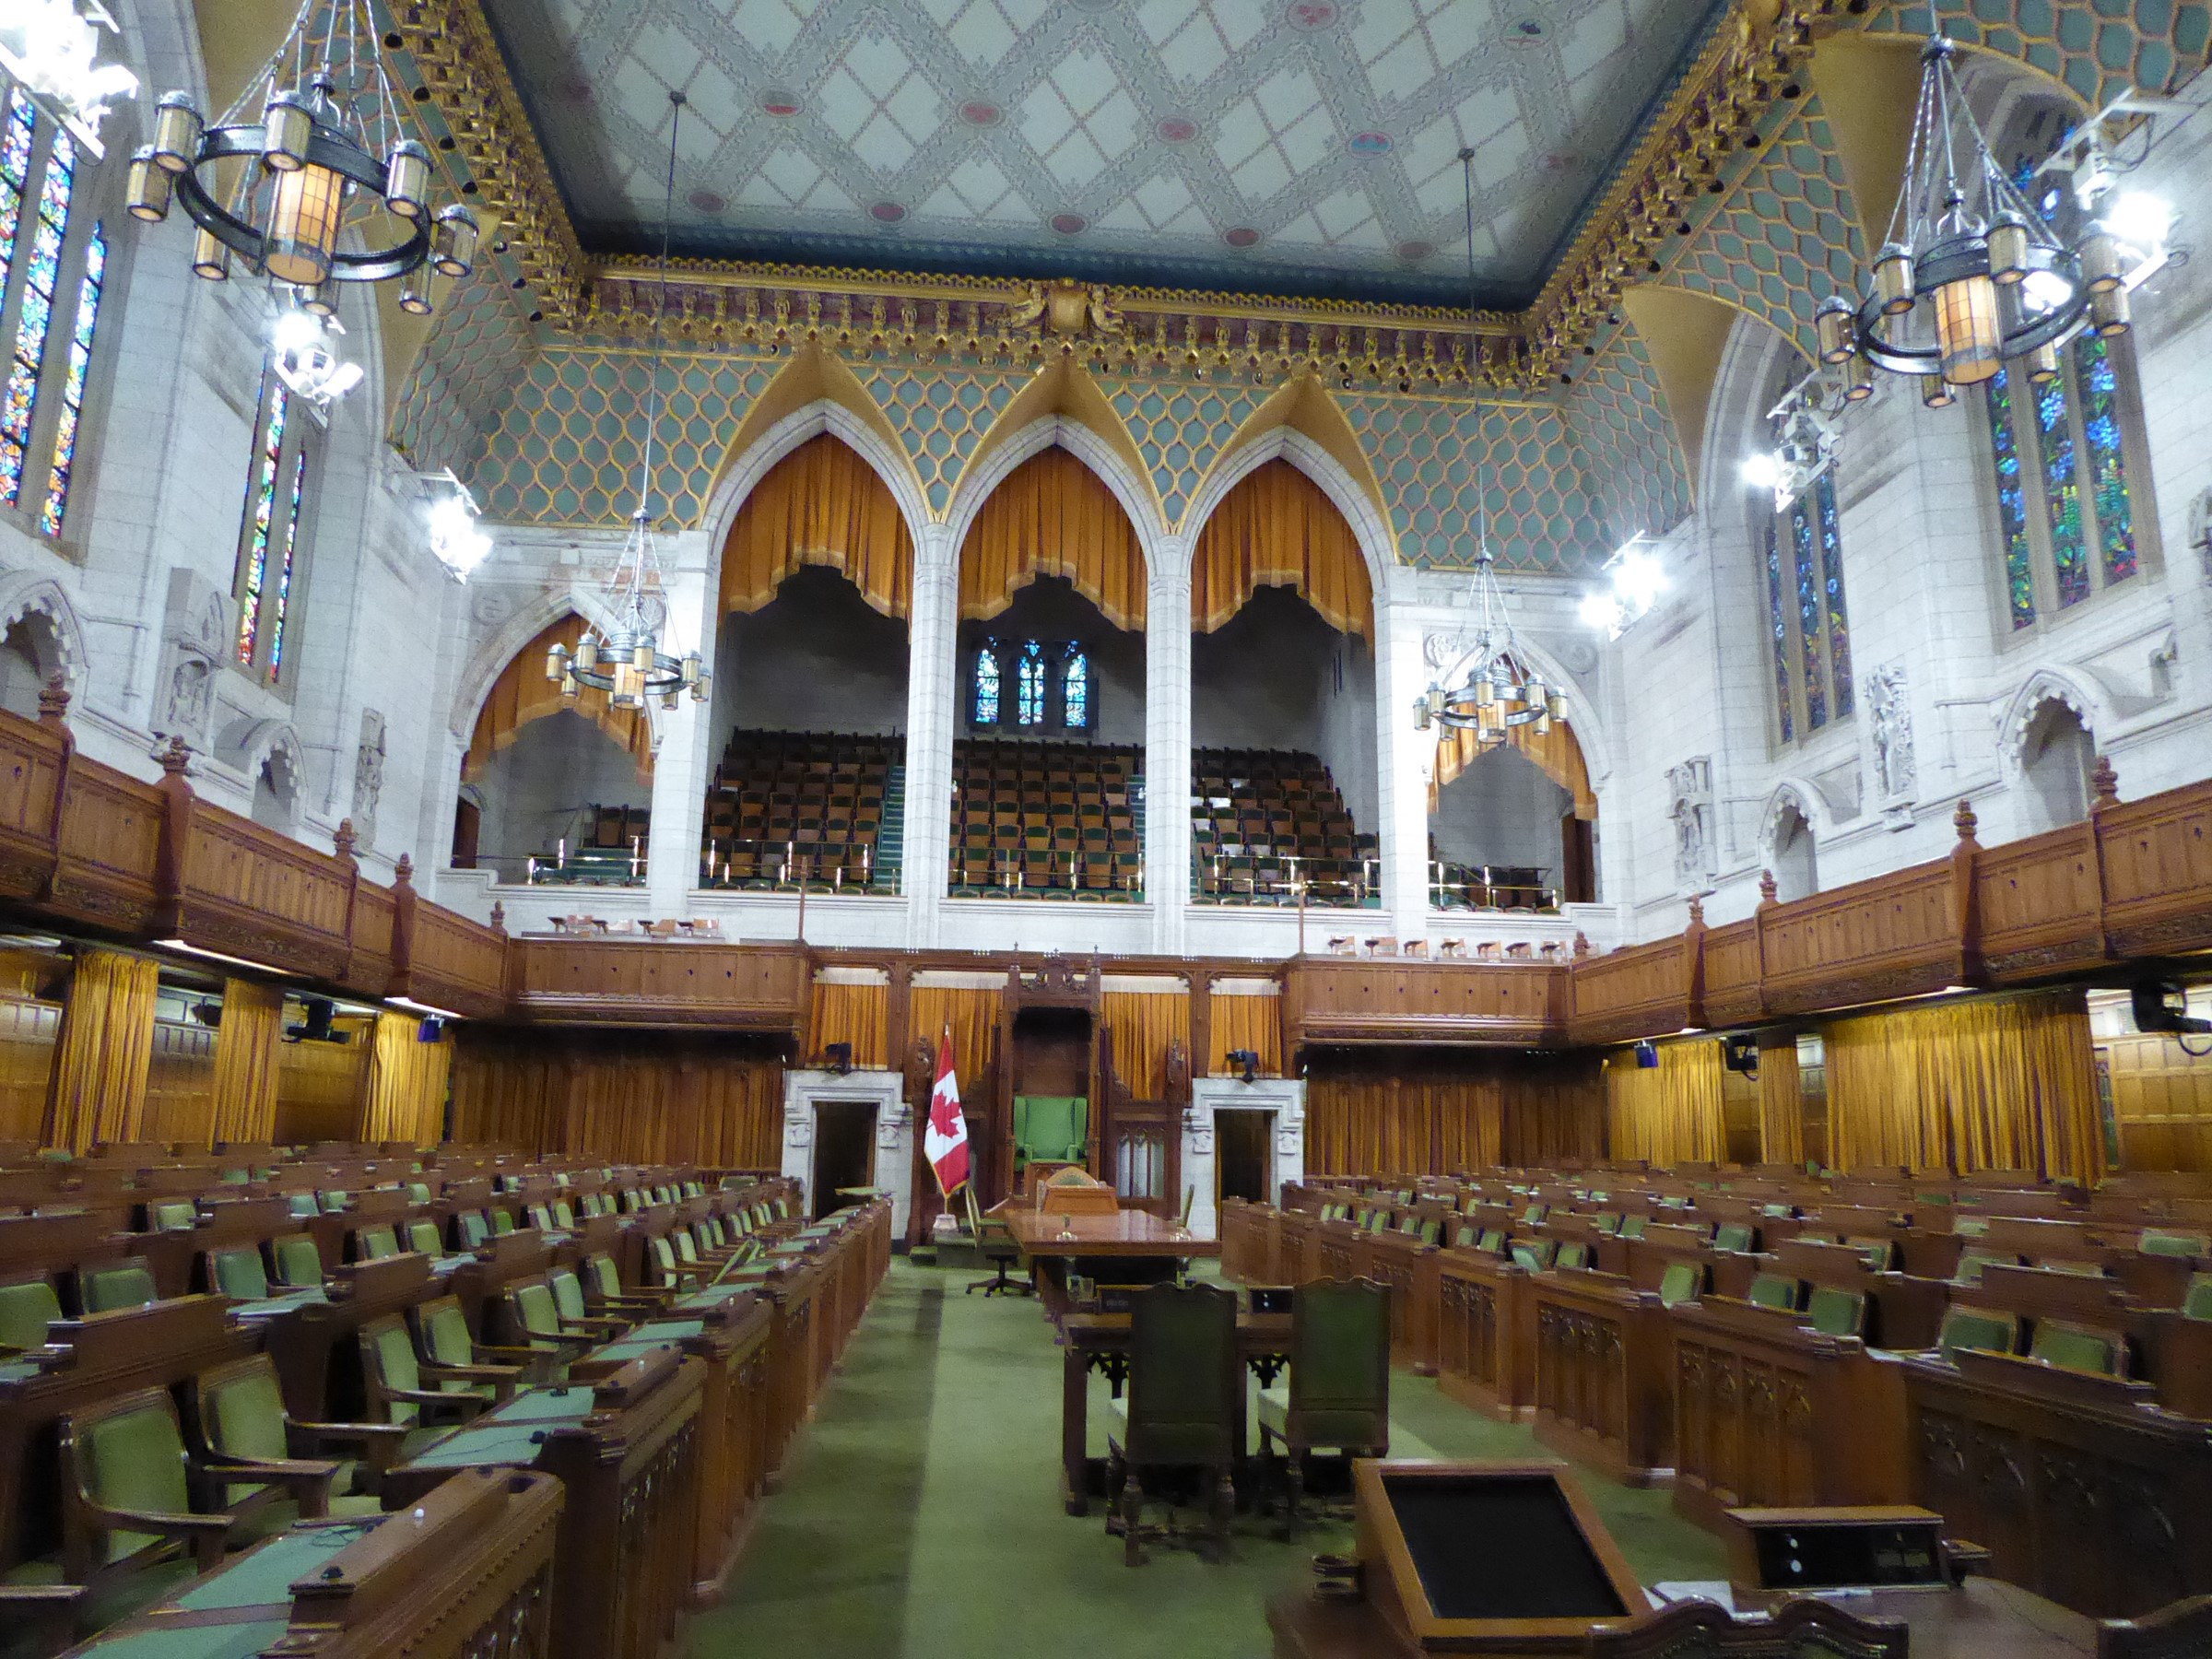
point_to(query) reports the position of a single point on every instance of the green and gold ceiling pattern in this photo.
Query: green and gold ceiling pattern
(543, 423)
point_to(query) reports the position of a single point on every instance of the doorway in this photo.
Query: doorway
(1242, 1154)
(844, 1151)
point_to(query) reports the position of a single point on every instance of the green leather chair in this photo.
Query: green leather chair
(1773, 1290)
(298, 1262)
(237, 1412)
(1981, 1329)
(1337, 1393)
(1574, 1252)
(2078, 1347)
(474, 1230)
(446, 1347)
(1682, 1281)
(180, 1215)
(2159, 1241)
(423, 1240)
(1180, 1407)
(375, 1243)
(27, 1307)
(2197, 1302)
(123, 1285)
(1050, 1129)
(534, 1317)
(392, 1378)
(1534, 1255)
(1735, 1236)
(1835, 1312)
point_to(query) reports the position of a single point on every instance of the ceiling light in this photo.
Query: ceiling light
(51, 47)
(624, 658)
(329, 185)
(1761, 469)
(1973, 274)
(1636, 579)
(306, 357)
(451, 517)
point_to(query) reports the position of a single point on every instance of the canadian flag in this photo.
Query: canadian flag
(945, 1139)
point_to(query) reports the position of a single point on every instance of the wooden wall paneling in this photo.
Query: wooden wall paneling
(1330, 1001)
(760, 988)
(108, 849)
(248, 891)
(35, 758)
(443, 959)
(28, 1033)
(1734, 979)
(321, 1087)
(2157, 859)
(1895, 935)
(2163, 1099)
(180, 1084)
(370, 924)
(1639, 990)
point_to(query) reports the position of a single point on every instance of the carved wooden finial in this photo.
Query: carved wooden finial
(1766, 886)
(499, 917)
(1964, 821)
(342, 839)
(2104, 785)
(54, 700)
(1581, 944)
(175, 757)
(1697, 910)
(403, 873)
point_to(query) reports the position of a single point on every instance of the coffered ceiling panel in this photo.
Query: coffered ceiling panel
(1292, 147)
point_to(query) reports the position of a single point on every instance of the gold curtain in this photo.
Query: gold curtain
(860, 1015)
(1278, 528)
(1143, 1024)
(823, 505)
(622, 1099)
(407, 1084)
(1780, 1104)
(1053, 516)
(1557, 755)
(970, 1014)
(2001, 1084)
(1669, 1113)
(107, 1044)
(522, 694)
(1245, 1022)
(246, 1046)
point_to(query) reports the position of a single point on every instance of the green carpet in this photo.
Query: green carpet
(919, 1514)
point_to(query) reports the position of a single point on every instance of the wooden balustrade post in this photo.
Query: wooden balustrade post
(1693, 964)
(2104, 795)
(175, 842)
(403, 926)
(1966, 910)
(53, 709)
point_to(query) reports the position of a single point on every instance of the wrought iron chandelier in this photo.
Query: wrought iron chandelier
(330, 155)
(1972, 277)
(624, 658)
(1487, 688)
(53, 47)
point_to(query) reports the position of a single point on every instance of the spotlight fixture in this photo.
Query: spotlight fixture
(1635, 580)
(329, 156)
(306, 355)
(50, 46)
(451, 516)
(1975, 275)
(1248, 1062)
(1804, 422)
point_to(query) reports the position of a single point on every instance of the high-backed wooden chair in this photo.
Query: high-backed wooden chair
(243, 1430)
(1181, 1406)
(1337, 1395)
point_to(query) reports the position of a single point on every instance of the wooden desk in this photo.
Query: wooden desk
(1101, 1342)
(1486, 1337)
(625, 1449)
(469, 1574)
(1604, 1365)
(1127, 1235)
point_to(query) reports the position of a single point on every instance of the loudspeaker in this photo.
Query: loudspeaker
(1739, 1053)
(1647, 1055)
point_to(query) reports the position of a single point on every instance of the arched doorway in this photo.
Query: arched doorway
(2056, 755)
(1794, 865)
(562, 787)
(1048, 705)
(1283, 765)
(1511, 826)
(30, 656)
(810, 689)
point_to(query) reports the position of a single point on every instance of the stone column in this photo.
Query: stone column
(1168, 743)
(680, 762)
(933, 660)
(1404, 756)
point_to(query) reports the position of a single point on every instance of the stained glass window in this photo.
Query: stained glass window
(1781, 629)
(2012, 502)
(41, 275)
(984, 709)
(1074, 691)
(1809, 617)
(2097, 390)
(1832, 593)
(2066, 508)
(1029, 685)
(16, 141)
(56, 504)
(261, 520)
(280, 602)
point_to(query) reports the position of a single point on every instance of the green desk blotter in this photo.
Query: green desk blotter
(645, 1338)
(196, 1641)
(280, 1305)
(265, 1577)
(540, 1406)
(492, 1444)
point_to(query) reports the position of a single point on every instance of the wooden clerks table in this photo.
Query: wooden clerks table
(1125, 1247)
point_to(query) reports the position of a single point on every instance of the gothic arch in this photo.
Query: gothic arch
(1369, 526)
(987, 471)
(26, 593)
(743, 471)
(1300, 407)
(498, 648)
(2046, 686)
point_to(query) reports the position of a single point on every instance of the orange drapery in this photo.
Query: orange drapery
(971, 1015)
(860, 1015)
(1669, 1113)
(1277, 529)
(1242, 1022)
(822, 504)
(1419, 1114)
(406, 1082)
(244, 1105)
(1557, 755)
(1143, 1024)
(1053, 516)
(522, 694)
(106, 1049)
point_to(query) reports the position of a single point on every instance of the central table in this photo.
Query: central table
(1128, 1247)
(1100, 1341)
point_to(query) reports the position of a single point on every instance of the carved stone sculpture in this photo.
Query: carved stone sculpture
(1690, 789)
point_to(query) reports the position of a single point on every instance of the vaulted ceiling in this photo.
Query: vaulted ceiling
(1287, 146)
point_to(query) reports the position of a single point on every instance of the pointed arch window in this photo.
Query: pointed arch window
(53, 261)
(1033, 687)
(983, 704)
(1809, 624)
(1074, 691)
(272, 541)
(1029, 685)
